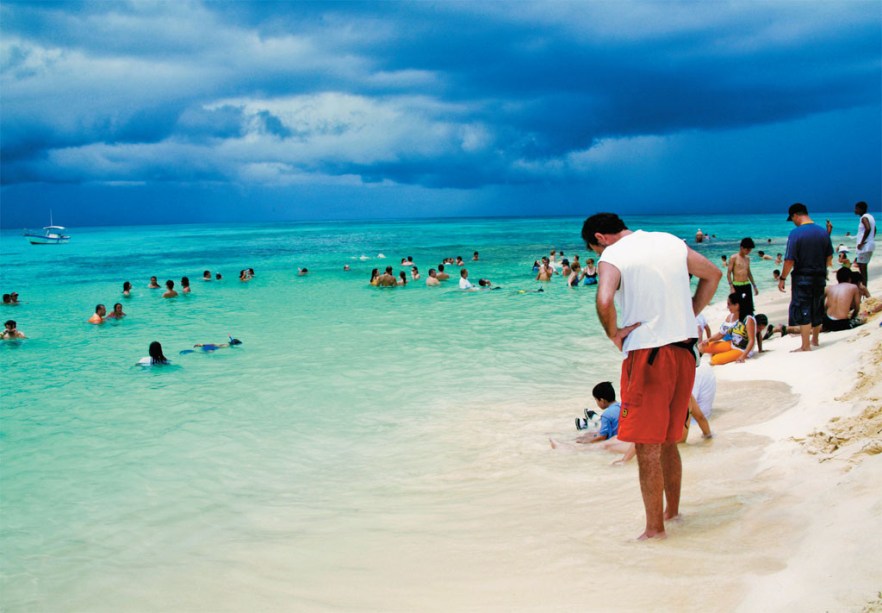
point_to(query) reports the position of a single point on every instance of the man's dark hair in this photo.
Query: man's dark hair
(10, 322)
(861, 207)
(747, 243)
(605, 390)
(843, 275)
(856, 277)
(440, 267)
(98, 306)
(601, 223)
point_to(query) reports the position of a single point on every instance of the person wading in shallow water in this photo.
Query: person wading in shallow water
(649, 271)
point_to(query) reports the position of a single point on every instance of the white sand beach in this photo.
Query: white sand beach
(806, 516)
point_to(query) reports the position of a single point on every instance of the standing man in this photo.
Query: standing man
(866, 238)
(647, 273)
(739, 276)
(809, 253)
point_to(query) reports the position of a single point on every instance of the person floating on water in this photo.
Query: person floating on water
(209, 347)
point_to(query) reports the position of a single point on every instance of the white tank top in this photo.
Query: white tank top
(871, 235)
(654, 289)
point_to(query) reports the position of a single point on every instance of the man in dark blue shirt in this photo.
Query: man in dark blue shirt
(809, 254)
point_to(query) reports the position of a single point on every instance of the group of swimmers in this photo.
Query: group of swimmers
(10, 299)
(546, 267)
(434, 277)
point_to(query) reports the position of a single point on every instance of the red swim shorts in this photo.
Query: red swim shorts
(655, 397)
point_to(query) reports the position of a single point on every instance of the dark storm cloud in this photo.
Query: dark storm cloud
(434, 94)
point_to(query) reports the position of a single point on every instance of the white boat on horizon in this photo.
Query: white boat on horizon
(51, 235)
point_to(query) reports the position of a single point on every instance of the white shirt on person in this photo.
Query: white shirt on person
(705, 388)
(464, 283)
(654, 289)
(870, 245)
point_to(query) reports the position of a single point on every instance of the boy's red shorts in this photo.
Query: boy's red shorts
(655, 397)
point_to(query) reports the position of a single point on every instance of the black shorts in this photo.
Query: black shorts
(745, 289)
(836, 325)
(807, 301)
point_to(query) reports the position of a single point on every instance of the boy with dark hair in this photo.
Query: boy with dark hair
(605, 399)
(739, 275)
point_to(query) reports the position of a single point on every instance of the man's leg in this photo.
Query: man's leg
(805, 331)
(863, 269)
(672, 473)
(652, 487)
(816, 330)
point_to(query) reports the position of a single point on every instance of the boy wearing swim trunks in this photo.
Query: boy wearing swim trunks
(647, 275)
(739, 275)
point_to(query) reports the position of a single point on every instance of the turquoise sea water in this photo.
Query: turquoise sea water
(352, 422)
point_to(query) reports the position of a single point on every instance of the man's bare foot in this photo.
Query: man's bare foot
(675, 517)
(553, 443)
(708, 435)
(800, 349)
(652, 535)
(816, 344)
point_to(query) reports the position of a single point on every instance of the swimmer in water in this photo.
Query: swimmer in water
(98, 316)
(117, 312)
(154, 284)
(170, 292)
(11, 331)
(156, 356)
(209, 347)
(127, 289)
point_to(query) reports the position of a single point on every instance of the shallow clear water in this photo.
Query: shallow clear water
(388, 440)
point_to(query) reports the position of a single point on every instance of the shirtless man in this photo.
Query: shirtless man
(739, 276)
(154, 284)
(387, 279)
(11, 331)
(98, 316)
(170, 292)
(432, 279)
(842, 305)
(442, 276)
(545, 272)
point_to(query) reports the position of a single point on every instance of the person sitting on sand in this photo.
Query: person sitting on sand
(432, 279)
(442, 276)
(98, 316)
(11, 331)
(117, 312)
(842, 306)
(127, 289)
(605, 398)
(843, 257)
(736, 340)
(170, 291)
(154, 284)
(156, 356)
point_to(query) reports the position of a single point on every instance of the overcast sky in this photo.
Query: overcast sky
(186, 111)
